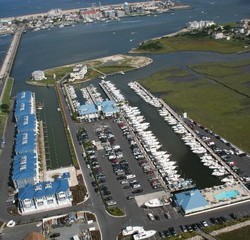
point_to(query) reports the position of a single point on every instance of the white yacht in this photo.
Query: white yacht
(157, 202)
(129, 230)
(144, 234)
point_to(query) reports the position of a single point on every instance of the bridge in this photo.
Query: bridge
(9, 59)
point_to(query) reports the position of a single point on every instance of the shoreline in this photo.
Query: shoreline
(183, 30)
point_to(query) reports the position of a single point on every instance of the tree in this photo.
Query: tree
(5, 107)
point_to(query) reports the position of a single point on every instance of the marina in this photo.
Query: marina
(24, 66)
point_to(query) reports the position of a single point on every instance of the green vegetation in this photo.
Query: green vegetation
(115, 211)
(4, 108)
(242, 234)
(191, 41)
(216, 97)
(186, 235)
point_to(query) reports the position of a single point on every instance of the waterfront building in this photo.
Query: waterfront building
(218, 35)
(45, 196)
(25, 170)
(92, 111)
(190, 201)
(25, 104)
(26, 142)
(38, 75)
(27, 123)
(87, 112)
(78, 72)
(200, 24)
(108, 108)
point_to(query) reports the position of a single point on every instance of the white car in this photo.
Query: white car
(124, 182)
(151, 216)
(130, 176)
(136, 186)
(204, 223)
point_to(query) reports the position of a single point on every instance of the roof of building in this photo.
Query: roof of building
(26, 123)
(86, 109)
(25, 96)
(24, 170)
(191, 200)
(108, 106)
(23, 108)
(26, 142)
(43, 189)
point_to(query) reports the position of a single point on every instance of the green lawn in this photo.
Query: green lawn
(225, 111)
(242, 234)
(191, 42)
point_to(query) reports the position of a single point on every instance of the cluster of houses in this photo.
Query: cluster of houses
(57, 17)
(33, 195)
(219, 32)
(195, 25)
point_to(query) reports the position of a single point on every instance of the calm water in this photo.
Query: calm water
(45, 49)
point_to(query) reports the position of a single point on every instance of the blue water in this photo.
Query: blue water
(226, 195)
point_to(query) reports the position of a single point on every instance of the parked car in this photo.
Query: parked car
(172, 231)
(204, 223)
(54, 235)
(130, 197)
(183, 228)
(151, 216)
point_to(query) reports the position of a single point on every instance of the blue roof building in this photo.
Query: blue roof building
(25, 170)
(92, 111)
(23, 108)
(87, 111)
(191, 201)
(25, 104)
(108, 108)
(25, 96)
(26, 142)
(27, 123)
(45, 195)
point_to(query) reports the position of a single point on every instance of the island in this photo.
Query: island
(84, 71)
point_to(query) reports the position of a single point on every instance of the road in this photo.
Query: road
(9, 59)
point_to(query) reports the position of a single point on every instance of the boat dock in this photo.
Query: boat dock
(180, 120)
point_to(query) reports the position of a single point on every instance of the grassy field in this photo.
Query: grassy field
(207, 98)
(242, 234)
(191, 42)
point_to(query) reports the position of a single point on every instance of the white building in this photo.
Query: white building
(78, 72)
(219, 35)
(200, 24)
(38, 75)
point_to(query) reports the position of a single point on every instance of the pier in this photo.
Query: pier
(203, 144)
(9, 59)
